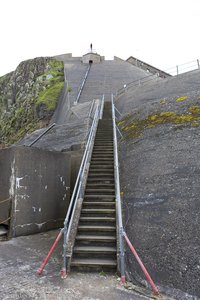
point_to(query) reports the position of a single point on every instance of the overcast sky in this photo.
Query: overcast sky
(160, 32)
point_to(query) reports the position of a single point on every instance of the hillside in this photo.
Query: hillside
(28, 97)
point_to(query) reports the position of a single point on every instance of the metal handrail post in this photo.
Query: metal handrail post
(118, 197)
(101, 109)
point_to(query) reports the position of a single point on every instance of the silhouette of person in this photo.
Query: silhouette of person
(91, 47)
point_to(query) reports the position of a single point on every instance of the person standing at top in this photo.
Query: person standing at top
(91, 47)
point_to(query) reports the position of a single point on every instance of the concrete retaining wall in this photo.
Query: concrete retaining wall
(38, 181)
(5, 172)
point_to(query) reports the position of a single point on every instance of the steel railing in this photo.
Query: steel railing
(76, 192)
(118, 197)
(42, 134)
(77, 188)
(120, 229)
(82, 85)
(174, 71)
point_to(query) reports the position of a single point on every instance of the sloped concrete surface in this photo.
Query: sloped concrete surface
(160, 168)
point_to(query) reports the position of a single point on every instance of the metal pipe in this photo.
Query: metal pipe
(82, 85)
(155, 289)
(41, 135)
(118, 197)
(119, 132)
(50, 252)
(118, 111)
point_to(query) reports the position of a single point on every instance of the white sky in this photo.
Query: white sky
(160, 32)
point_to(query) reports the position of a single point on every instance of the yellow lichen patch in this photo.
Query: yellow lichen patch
(183, 119)
(198, 97)
(121, 123)
(195, 124)
(181, 99)
(168, 114)
(135, 129)
(163, 101)
(194, 109)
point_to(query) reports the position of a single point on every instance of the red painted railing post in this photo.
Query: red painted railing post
(155, 289)
(50, 252)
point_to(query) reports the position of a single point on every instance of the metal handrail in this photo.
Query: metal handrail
(121, 232)
(75, 196)
(77, 188)
(41, 135)
(82, 85)
(177, 70)
(118, 197)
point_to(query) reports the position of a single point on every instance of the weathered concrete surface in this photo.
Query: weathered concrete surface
(39, 185)
(154, 91)
(160, 167)
(5, 173)
(20, 260)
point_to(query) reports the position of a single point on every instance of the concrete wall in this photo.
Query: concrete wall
(5, 172)
(38, 181)
(146, 67)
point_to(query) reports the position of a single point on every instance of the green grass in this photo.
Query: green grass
(50, 97)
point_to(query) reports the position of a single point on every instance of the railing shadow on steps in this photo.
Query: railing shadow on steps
(121, 234)
(72, 216)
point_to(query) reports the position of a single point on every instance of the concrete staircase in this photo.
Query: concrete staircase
(95, 244)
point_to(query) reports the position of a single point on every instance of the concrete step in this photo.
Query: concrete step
(97, 171)
(100, 175)
(100, 166)
(108, 162)
(99, 197)
(97, 211)
(97, 220)
(96, 238)
(94, 264)
(100, 152)
(93, 228)
(100, 190)
(95, 249)
(102, 155)
(93, 204)
(97, 160)
(100, 185)
(100, 180)
(101, 147)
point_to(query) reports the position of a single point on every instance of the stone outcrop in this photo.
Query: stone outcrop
(24, 106)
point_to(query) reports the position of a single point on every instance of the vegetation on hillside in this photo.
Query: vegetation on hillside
(28, 97)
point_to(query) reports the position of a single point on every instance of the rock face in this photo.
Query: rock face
(23, 97)
(160, 167)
